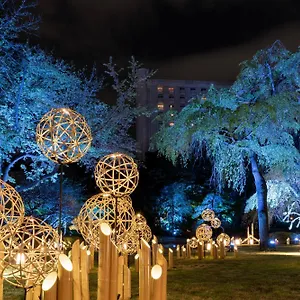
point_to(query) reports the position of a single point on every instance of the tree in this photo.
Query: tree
(251, 125)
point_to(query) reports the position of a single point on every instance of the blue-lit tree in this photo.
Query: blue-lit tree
(250, 126)
(175, 205)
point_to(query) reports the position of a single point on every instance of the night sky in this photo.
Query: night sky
(183, 39)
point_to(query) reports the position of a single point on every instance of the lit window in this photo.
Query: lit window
(171, 123)
(171, 90)
(203, 97)
(160, 89)
(160, 106)
(171, 105)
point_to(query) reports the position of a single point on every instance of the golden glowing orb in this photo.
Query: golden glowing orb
(102, 208)
(223, 237)
(31, 253)
(208, 214)
(117, 174)
(204, 232)
(11, 208)
(215, 223)
(193, 242)
(63, 135)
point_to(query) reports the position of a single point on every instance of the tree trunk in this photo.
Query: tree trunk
(262, 207)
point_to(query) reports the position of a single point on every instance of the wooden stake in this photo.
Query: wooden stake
(127, 283)
(154, 251)
(136, 262)
(163, 263)
(84, 266)
(144, 271)
(171, 259)
(200, 250)
(49, 287)
(65, 280)
(113, 290)
(156, 282)
(178, 251)
(76, 270)
(104, 262)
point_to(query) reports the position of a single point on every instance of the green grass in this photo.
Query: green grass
(250, 276)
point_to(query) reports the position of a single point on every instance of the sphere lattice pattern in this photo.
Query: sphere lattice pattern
(32, 253)
(63, 135)
(204, 232)
(11, 207)
(140, 222)
(193, 243)
(208, 214)
(128, 243)
(215, 223)
(144, 233)
(102, 208)
(223, 237)
(117, 174)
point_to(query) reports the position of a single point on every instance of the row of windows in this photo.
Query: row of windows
(161, 106)
(171, 90)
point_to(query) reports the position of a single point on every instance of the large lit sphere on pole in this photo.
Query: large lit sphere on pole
(215, 223)
(63, 135)
(204, 232)
(32, 253)
(117, 174)
(102, 208)
(223, 237)
(11, 207)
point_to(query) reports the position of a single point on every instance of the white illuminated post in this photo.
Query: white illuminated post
(49, 287)
(75, 254)
(156, 278)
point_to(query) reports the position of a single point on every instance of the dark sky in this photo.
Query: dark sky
(183, 39)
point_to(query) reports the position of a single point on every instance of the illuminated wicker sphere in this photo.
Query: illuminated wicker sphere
(144, 233)
(128, 243)
(193, 242)
(101, 208)
(140, 222)
(208, 214)
(215, 223)
(11, 207)
(32, 253)
(116, 174)
(223, 237)
(203, 232)
(63, 135)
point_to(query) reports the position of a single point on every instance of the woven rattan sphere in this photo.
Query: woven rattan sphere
(208, 214)
(128, 243)
(144, 233)
(32, 253)
(223, 237)
(193, 242)
(203, 232)
(63, 135)
(102, 208)
(140, 221)
(215, 223)
(11, 207)
(116, 174)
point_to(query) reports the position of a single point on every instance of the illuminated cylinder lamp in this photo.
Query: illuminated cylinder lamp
(49, 287)
(154, 251)
(171, 259)
(200, 250)
(65, 278)
(113, 281)
(156, 278)
(163, 263)
(84, 272)
(144, 271)
(75, 254)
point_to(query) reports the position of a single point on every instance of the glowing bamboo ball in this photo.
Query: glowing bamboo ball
(32, 253)
(143, 233)
(102, 208)
(140, 221)
(193, 242)
(11, 208)
(128, 243)
(215, 223)
(117, 174)
(63, 135)
(207, 214)
(204, 232)
(223, 237)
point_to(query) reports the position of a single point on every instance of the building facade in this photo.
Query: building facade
(162, 95)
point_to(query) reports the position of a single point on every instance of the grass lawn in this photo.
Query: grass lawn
(252, 275)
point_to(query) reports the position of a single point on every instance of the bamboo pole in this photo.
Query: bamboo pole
(178, 251)
(156, 282)
(222, 249)
(171, 259)
(215, 253)
(92, 257)
(104, 255)
(183, 250)
(136, 262)
(154, 251)
(235, 250)
(113, 290)
(163, 263)
(2, 250)
(200, 250)
(49, 287)
(144, 271)
(127, 283)
(248, 236)
(121, 277)
(75, 254)
(65, 280)
(36, 292)
(84, 268)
